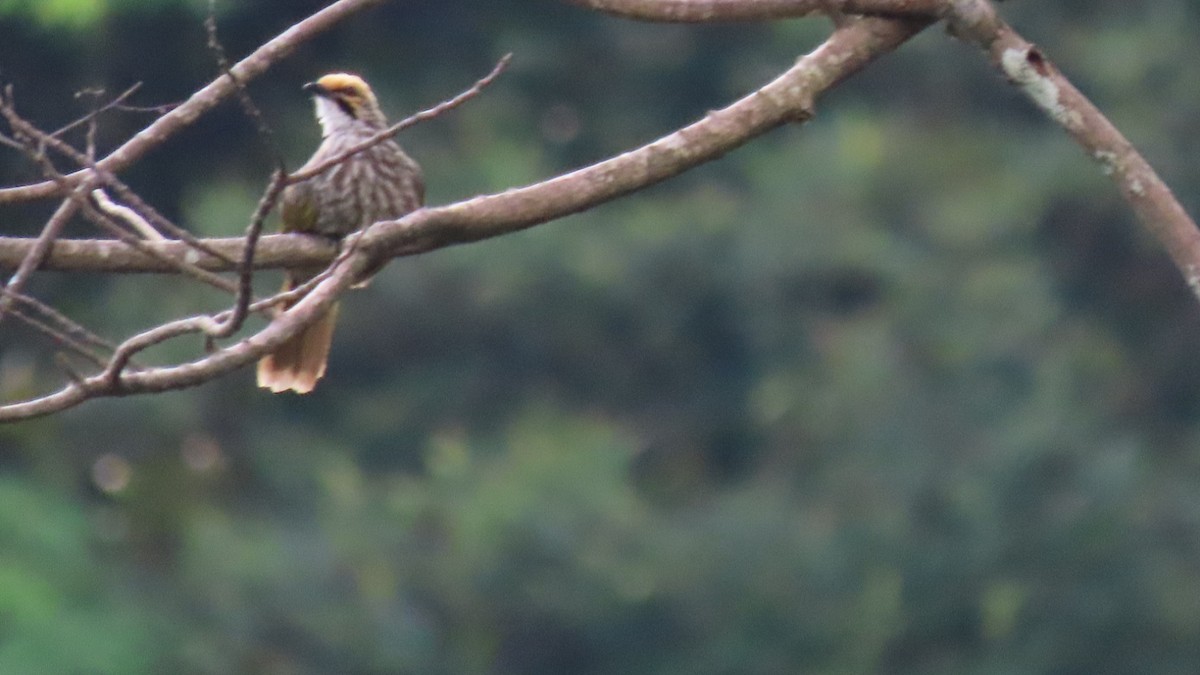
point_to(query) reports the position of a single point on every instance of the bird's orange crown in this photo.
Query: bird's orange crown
(344, 86)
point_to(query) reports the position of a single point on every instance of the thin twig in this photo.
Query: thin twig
(160, 109)
(241, 306)
(184, 267)
(50, 232)
(428, 114)
(25, 129)
(159, 221)
(248, 106)
(69, 370)
(62, 321)
(116, 103)
(245, 286)
(57, 222)
(106, 177)
(123, 191)
(201, 102)
(60, 338)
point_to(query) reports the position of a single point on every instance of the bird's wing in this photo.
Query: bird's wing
(299, 211)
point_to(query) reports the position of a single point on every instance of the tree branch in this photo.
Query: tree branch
(789, 98)
(707, 11)
(1025, 66)
(38, 250)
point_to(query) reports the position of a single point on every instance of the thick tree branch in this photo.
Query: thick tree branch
(109, 256)
(1024, 65)
(707, 11)
(787, 99)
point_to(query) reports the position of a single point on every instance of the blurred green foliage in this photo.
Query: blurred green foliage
(80, 15)
(905, 390)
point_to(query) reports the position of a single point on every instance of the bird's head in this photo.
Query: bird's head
(345, 101)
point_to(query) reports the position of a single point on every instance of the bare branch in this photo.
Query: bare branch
(137, 204)
(36, 253)
(241, 306)
(181, 265)
(59, 320)
(788, 98)
(202, 101)
(708, 11)
(151, 214)
(1027, 67)
(59, 337)
(140, 209)
(93, 114)
(107, 256)
(39, 141)
(244, 99)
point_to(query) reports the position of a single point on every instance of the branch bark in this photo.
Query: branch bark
(1028, 68)
(789, 98)
(111, 256)
(707, 11)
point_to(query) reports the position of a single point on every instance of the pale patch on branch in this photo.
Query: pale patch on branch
(126, 214)
(1026, 66)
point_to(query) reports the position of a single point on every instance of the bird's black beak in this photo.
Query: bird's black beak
(316, 89)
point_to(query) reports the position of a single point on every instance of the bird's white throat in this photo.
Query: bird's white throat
(333, 119)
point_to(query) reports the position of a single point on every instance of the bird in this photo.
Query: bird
(380, 183)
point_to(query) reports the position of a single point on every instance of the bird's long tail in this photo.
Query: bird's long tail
(298, 363)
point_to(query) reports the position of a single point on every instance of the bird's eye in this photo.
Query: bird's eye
(346, 107)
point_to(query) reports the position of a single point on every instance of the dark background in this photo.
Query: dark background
(905, 390)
